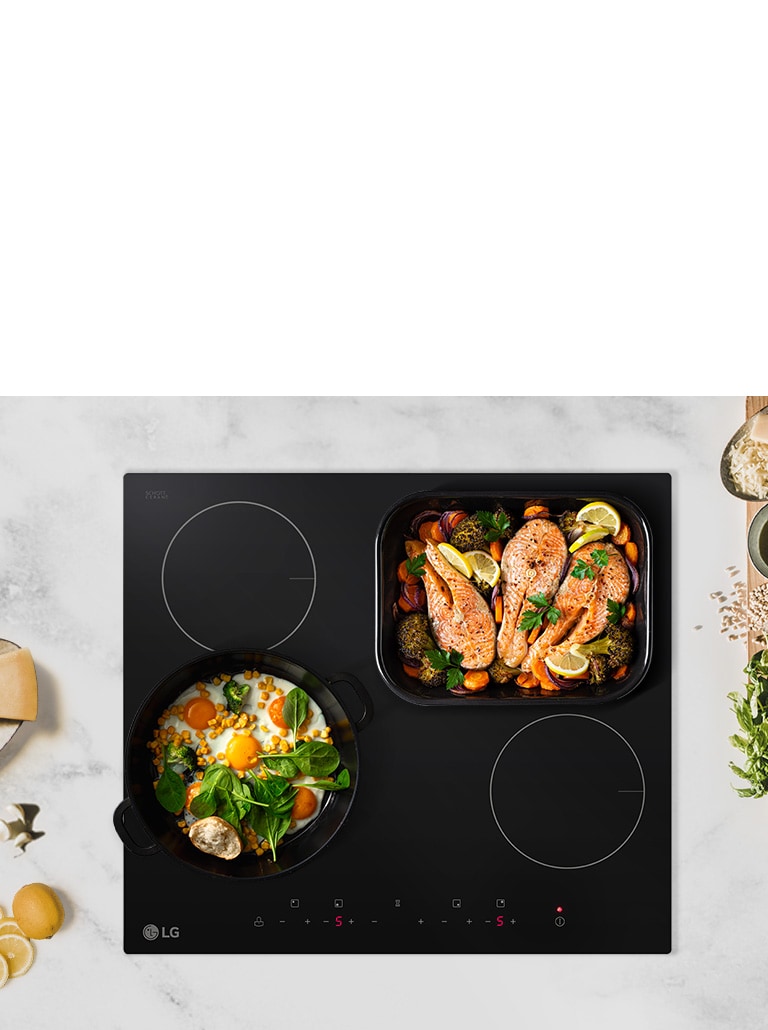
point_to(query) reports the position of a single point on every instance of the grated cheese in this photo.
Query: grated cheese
(749, 467)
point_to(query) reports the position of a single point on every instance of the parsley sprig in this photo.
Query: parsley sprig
(450, 661)
(585, 569)
(616, 611)
(496, 523)
(533, 617)
(415, 566)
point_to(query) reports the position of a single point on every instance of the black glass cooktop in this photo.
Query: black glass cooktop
(500, 829)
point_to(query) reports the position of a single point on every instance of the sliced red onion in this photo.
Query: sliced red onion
(461, 691)
(495, 593)
(634, 578)
(449, 520)
(414, 596)
(428, 515)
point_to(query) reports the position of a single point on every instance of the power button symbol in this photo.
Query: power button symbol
(559, 920)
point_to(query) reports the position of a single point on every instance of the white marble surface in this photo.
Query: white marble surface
(61, 467)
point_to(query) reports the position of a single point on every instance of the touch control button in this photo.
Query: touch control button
(559, 920)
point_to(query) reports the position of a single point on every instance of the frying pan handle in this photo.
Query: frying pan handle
(362, 695)
(122, 831)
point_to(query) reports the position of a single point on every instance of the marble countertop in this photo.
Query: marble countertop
(61, 467)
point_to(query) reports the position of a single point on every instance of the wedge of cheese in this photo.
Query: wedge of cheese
(18, 685)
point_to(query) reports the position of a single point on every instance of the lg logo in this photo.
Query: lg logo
(152, 932)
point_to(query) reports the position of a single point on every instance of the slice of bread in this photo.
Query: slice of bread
(216, 837)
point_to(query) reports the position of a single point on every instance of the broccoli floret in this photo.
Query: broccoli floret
(616, 643)
(500, 672)
(469, 535)
(431, 676)
(181, 754)
(414, 636)
(621, 645)
(236, 693)
(568, 521)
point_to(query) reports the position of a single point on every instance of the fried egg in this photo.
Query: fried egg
(200, 717)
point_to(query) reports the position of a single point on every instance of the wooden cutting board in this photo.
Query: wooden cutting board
(754, 578)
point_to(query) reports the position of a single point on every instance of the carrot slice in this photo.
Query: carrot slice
(630, 552)
(498, 609)
(533, 634)
(476, 680)
(437, 534)
(404, 575)
(526, 679)
(623, 535)
(538, 668)
(411, 671)
(535, 509)
(631, 613)
(621, 672)
(425, 531)
(497, 549)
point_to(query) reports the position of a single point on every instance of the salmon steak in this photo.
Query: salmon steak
(458, 613)
(532, 563)
(583, 603)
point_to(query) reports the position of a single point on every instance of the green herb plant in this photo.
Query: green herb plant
(616, 611)
(751, 711)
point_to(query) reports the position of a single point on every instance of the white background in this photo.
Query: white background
(250, 197)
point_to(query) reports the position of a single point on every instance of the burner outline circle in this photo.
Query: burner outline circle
(584, 865)
(222, 504)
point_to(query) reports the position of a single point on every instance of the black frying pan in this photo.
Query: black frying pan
(159, 826)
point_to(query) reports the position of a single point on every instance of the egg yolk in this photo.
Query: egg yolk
(276, 715)
(242, 752)
(198, 712)
(192, 791)
(304, 804)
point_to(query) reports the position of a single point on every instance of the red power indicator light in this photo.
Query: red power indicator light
(559, 908)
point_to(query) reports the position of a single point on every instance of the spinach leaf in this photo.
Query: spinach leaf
(340, 783)
(171, 790)
(281, 764)
(315, 758)
(295, 708)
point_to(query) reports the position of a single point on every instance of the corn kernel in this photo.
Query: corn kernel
(216, 681)
(225, 677)
(260, 704)
(247, 674)
(219, 707)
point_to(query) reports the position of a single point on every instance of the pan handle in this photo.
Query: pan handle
(122, 831)
(362, 695)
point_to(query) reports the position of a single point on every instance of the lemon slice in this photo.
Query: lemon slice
(486, 568)
(456, 558)
(9, 926)
(4, 971)
(18, 952)
(599, 513)
(588, 537)
(568, 665)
